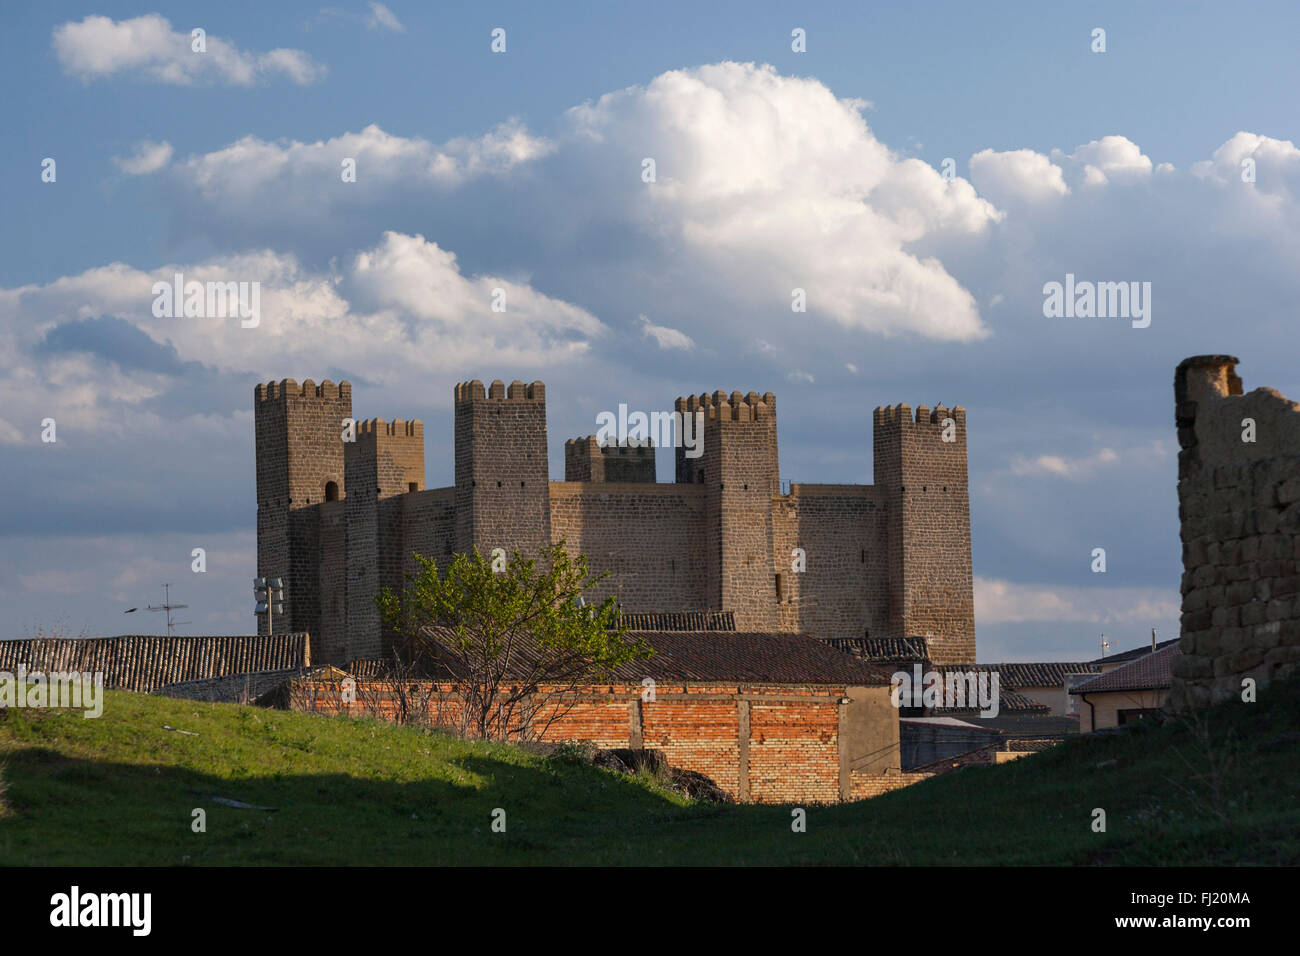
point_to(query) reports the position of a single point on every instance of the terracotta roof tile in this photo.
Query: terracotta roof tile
(727, 656)
(1149, 672)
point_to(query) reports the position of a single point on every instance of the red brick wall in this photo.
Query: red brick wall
(866, 785)
(791, 751)
(794, 752)
(701, 735)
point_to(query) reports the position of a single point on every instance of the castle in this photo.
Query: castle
(338, 520)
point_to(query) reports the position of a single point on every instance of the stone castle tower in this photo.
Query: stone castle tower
(340, 519)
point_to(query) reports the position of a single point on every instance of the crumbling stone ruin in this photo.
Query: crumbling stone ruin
(338, 520)
(1239, 503)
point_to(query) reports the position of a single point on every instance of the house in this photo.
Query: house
(1110, 663)
(1129, 692)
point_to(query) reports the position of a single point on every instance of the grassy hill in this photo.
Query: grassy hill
(121, 789)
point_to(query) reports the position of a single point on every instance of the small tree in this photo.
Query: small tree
(513, 642)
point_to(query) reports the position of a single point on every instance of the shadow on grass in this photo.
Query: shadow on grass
(67, 811)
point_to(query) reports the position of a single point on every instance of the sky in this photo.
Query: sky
(921, 173)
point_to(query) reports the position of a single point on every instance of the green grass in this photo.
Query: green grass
(120, 790)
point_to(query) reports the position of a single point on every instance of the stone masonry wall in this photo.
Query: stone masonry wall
(585, 459)
(299, 449)
(843, 530)
(891, 559)
(646, 535)
(502, 473)
(1239, 504)
(739, 472)
(932, 583)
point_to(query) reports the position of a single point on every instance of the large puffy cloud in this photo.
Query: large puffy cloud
(99, 47)
(398, 311)
(763, 182)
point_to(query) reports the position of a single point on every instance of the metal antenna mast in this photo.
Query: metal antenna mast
(168, 606)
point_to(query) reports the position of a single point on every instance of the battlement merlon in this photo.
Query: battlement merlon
(585, 459)
(387, 456)
(397, 428)
(287, 388)
(902, 414)
(733, 407)
(474, 391)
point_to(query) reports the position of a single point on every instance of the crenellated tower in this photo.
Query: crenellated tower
(299, 453)
(920, 462)
(502, 476)
(739, 471)
(385, 460)
(585, 459)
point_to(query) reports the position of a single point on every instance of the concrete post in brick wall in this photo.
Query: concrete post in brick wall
(742, 750)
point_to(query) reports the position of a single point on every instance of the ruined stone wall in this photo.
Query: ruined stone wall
(1239, 504)
(648, 536)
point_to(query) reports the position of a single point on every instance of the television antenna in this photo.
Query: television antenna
(168, 606)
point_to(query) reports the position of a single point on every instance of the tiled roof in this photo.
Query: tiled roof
(883, 648)
(1011, 701)
(725, 656)
(236, 688)
(1036, 674)
(146, 662)
(681, 621)
(778, 658)
(1150, 672)
(1008, 702)
(1131, 655)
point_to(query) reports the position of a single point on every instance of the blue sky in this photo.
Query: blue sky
(775, 169)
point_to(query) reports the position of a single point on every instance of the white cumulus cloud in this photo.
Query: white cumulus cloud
(148, 157)
(99, 47)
